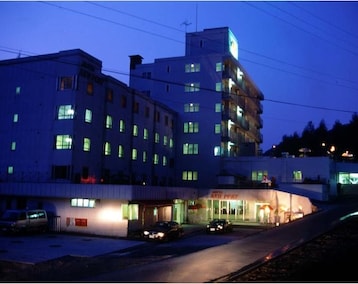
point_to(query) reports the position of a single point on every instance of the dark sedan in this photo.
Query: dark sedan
(163, 231)
(219, 226)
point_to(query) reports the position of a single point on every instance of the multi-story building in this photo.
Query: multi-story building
(65, 121)
(218, 104)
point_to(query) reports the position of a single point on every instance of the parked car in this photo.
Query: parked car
(15, 221)
(163, 231)
(219, 226)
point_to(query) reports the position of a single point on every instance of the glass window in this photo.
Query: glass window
(189, 175)
(134, 154)
(15, 118)
(83, 202)
(10, 170)
(164, 161)
(218, 107)
(107, 148)
(65, 112)
(66, 83)
(171, 143)
(156, 137)
(191, 127)
(135, 130)
(120, 151)
(191, 107)
(13, 146)
(18, 90)
(88, 116)
(297, 176)
(109, 96)
(63, 142)
(109, 122)
(192, 67)
(155, 159)
(217, 151)
(90, 88)
(192, 87)
(123, 101)
(218, 67)
(190, 149)
(86, 144)
(165, 140)
(217, 128)
(145, 156)
(145, 134)
(218, 87)
(122, 126)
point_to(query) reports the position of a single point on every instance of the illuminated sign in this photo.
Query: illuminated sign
(233, 45)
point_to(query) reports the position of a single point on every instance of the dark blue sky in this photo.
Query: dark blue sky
(302, 55)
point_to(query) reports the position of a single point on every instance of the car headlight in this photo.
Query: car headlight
(220, 227)
(161, 234)
(146, 233)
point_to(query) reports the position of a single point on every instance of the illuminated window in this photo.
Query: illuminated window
(218, 67)
(190, 149)
(109, 121)
(134, 154)
(86, 144)
(191, 127)
(156, 137)
(258, 175)
(347, 178)
(165, 162)
(171, 143)
(190, 175)
(130, 211)
(65, 112)
(297, 176)
(135, 130)
(217, 128)
(155, 159)
(88, 116)
(10, 170)
(218, 107)
(63, 142)
(191, 107)
(120, 151)
(217, 151)
(192, 87)
(145, 134)
(13, 146)
(218, 87)
(66, 83)
(193, 67)
(83, 202)
(18, 90)
(122, 126)
(15, 118)
(90, 88)
(145, 156)
(165, 140)
(107, 148)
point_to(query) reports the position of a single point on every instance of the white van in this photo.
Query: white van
(24, 221)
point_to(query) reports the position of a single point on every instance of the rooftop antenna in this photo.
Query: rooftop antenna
(186, 24)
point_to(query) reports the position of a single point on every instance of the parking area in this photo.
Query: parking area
(37, 248)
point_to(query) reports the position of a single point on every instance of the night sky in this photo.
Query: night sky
(303, 56)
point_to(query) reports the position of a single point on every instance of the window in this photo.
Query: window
(171, 143)
(122, 125)
(218, 67)
(60, 172)
(155, 159)
(10, 170)
(217, 128)
(145, 134)
(156, 137)
(18, 90)
(193, 67)
(218, 87)
(83, 202)
(107, 148)
(65, 112)
(297, 176)
(86, 144)
(66, 83)
(157, 116)
(135, 130)
(134, 154)
(123, 101)
(109, 122)
(120, 151)
(258, 175)
(145, 156)
(63, 142)
(165, 162)
(191, 107)
(218, 107)
(88, 116)
(109, 95)
(15, 118)
(135, 107)
(217, 151)
(191, 127)
(13, 146)
(192, 87)
(166, 120)
(165, 140)
(190, 149)
(147, 111)
(190, 175)
(90, 88)
(130, 211)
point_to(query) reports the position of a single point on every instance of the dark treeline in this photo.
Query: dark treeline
(313, 142)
